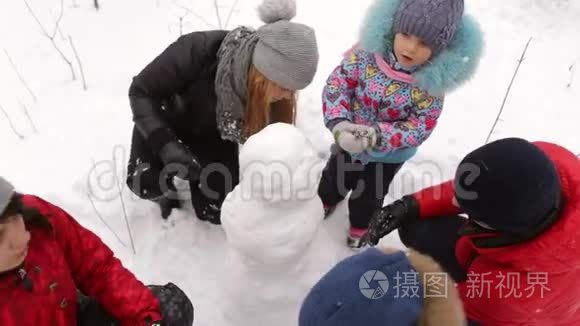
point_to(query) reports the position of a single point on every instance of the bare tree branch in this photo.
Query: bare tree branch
(57, 28)
(198, 16)
(508, 91)
(217, 13)
(105, 222)
(51, 40)
(36, 18)
(181, 19)
(123, 206)
(11, 124)
(230, 13)
(57, 23)
(20, 76)
(23, 107)
(59, 31)
(79, 62)
(572, 71)
(180, 25)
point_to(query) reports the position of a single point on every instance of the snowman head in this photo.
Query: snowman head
(273, 214)
(279, 164)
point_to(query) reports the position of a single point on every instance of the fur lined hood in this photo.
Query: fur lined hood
(451, 68)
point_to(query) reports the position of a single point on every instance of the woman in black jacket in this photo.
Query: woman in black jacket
(206, 94)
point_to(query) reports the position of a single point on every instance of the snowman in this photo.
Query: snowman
(272, 220)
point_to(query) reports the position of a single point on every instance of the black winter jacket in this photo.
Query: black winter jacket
(173, 97)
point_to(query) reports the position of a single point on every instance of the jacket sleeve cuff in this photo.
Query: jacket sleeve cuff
(437, 201)
(379, 134)
(332, 123)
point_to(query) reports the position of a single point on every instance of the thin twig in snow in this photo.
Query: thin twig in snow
(36, 18)
(230, 13)
(10, 122)
(508, 91)
(57, 26)
(105, 222)
(57, 23)
(572, 70)
(59, 30)
(79, 62)
(217, 13)
(181, 18)
(118, 181)
(198, 16)
(23, 107)
(20, 76)
(61, 34)
(180, 26)
(74, 77)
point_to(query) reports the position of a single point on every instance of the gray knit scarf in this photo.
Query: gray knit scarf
(234, 59)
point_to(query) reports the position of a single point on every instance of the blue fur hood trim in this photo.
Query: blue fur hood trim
(450, 69)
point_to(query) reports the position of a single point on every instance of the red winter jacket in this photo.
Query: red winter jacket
(504, 285)
(62, 261)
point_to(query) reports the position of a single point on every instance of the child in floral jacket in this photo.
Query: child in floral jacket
(384, 99)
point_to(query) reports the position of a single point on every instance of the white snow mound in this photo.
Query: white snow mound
(273, 213)
(272, 222)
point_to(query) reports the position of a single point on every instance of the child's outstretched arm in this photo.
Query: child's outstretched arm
(413, 131)
(339, 90)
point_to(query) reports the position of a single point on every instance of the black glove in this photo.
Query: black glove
(176, 308)
(184, 164)
(391, 217)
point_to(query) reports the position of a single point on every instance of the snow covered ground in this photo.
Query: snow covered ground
(82, 142)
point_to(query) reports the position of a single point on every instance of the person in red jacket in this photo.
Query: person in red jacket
(55, 272)
(516, 257)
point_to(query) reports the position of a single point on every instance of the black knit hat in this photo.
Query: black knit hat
(510, 185)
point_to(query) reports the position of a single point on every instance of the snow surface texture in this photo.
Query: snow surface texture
(83, 137)
(272, 221)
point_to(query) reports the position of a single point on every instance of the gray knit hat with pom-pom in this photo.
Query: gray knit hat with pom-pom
(434, 21)
(287, 52)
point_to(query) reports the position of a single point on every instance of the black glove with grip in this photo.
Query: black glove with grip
(181, 161)
(391, 217)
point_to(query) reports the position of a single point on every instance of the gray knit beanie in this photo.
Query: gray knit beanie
(286, 52)
(6, 192)
(434, 21)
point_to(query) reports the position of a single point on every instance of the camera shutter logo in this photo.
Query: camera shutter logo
(374, 284)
